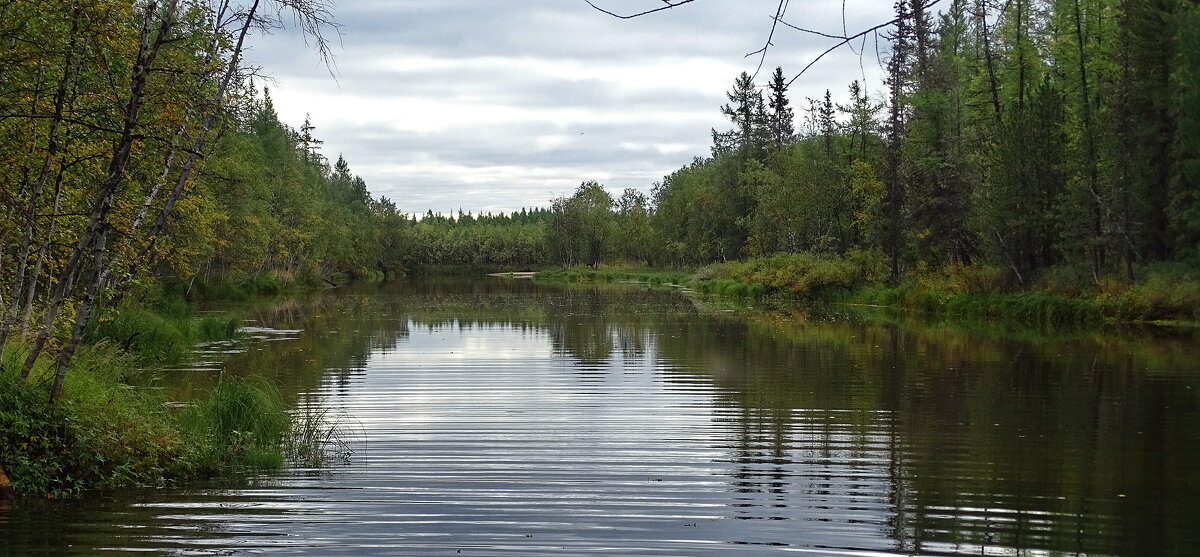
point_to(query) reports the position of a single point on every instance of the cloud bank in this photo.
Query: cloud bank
(492, 106)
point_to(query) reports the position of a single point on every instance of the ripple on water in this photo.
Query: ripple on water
(514, 438)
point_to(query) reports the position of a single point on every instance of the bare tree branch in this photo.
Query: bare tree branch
(842, 40)
(818, 33)
(846, 40)
(668, 6)
(766, 46)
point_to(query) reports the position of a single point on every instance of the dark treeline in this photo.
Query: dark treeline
(485, 241)
(1025, 135)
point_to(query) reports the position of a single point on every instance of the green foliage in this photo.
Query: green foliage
(279, 214)
(581, 227)
(98, 435)
(154, 337)
(440, 245)
(241, 424)
(586, 274)
(1165, 291)
(316, 435)
(802, 275)
(1185, 182)
(102, 434)
(695, 217)
(1060, 295)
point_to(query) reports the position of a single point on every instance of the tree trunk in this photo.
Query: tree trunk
(35, 193)
(96, 232)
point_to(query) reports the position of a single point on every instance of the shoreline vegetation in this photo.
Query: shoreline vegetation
(1164, 295)
(109, 430)
(132, 188)
(102, 434)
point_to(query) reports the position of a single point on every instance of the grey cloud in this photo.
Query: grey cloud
(535, 151)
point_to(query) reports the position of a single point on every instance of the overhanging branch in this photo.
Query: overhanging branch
(668, 6)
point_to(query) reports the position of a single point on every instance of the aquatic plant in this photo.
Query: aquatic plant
(319, 435)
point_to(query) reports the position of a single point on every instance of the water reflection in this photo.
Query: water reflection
(508, 417)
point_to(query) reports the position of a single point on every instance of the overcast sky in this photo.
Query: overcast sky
(494, 105)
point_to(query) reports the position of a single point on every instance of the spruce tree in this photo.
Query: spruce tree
(898, 82)
(782, 124)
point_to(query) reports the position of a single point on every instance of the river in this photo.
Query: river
(504, 417)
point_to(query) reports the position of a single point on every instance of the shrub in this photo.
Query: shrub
(99, 434)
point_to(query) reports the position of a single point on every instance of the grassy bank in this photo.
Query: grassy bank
(1166, 293)
(104, 433)
(1162, 293)
(615, 274)
(257, 286)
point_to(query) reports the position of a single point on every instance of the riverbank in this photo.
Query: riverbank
(1163, 294)
(105, 432)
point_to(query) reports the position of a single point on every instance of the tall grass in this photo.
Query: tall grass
(99, 434)
(241, 424)
(800, 275)
(156, 337)
(318, 436)
(262, 285)
(1061, 295)
(104, 434)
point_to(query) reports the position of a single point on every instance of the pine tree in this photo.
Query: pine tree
(895, 130)
(861, 125)
(1184, 210)
(781, 118)
(748, 113)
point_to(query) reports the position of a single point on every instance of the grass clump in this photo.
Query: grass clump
(242, 424)
(99, 434)
(799, 275)
(103, 433)
(317, 437)
(1167, 292)
(259, 285)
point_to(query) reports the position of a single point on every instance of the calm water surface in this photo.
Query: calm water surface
(510, 418)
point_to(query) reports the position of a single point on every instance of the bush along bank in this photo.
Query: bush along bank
(1166, 293)
(102, 433)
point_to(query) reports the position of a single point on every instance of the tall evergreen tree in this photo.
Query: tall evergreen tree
(895, 129)
(747, 111)
(828, 124)
(1184, 210)
(935, 168)
(861, 125)
(782, 124)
